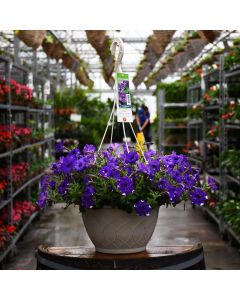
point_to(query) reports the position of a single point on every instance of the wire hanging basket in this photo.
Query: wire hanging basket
(32, 38)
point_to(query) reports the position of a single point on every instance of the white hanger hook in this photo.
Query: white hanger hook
(117, 42)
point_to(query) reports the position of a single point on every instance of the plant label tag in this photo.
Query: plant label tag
(124, 105)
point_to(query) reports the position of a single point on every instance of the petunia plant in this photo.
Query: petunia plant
(122, 179)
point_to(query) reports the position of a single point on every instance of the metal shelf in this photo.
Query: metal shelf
(212, 107)
(230, 178)
(27, 184)
(174, 127)
(232, 126)
(233, 72)
(174, 104)
(212, 142)
(195, 122)
(18, 150)
(17, 237)
(212, 215)
(23, 108)
(3, 203)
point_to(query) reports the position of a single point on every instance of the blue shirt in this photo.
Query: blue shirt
(143, 116)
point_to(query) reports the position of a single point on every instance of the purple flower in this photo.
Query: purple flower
(63, 187)
(142, 208)
(42, 199)
(125, 185)
(52, 184)
(130, 157)
(44, 182)
(57, 166)
(154, 166)
(87, 197)
(89, 149)
(143, 168)
(59, 146)
(109, 171)
(87, 202)
(175, 192)
(189, 181)
(164, 184)
(149, 154)
(81, 164)
(68, 164)
(212, 184)
(176, 175)
(198, 196)
(75, 152)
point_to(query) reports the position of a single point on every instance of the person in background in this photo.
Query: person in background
(143, 122)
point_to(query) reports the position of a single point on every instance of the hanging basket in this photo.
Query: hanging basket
(68, 61)
(32, 38)
(83, 78)
(58, 51)
(48, 48)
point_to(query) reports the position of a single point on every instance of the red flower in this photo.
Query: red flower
(11, 229)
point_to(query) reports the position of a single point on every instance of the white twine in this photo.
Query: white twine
(118, 43)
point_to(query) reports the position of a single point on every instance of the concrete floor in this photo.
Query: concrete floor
(59, 227)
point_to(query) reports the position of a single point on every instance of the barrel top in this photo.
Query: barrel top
(82, 252)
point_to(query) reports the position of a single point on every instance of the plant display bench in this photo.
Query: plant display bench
(187, 257)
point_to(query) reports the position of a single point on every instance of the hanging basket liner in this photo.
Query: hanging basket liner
(69, 62)
(48, 48)
(101, 42)
(32, 38)
(58, 51)
(209, 35)
(83, 78)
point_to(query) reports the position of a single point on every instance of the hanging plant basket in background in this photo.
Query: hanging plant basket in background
(58, 51)
(48, 48)
(83, 78)
(68, 61)
(32, 38)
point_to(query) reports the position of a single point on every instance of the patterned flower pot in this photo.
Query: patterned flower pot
(115, 231)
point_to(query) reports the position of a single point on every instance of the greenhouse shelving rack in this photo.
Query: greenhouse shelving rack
(194, 125)
(41, 116)
(18, 235)
(162, 126)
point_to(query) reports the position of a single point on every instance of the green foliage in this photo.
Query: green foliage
(230, 161)
(174, 92)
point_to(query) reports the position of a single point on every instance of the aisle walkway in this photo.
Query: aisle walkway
(59, 227)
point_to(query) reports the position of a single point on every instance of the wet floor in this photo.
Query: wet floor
(60, 227)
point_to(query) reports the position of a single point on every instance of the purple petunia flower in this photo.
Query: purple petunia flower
(142, 208)
(59, 146)
(176, 175)
(63, 187)
(175, 192)
(52, 184)
(125, 185)
(89, 149)
(198, 196)
(109, 171)
(75, 152)
(164, 184)
(42, 199)
(149, 154)
(81, 164)
(130, 157)
(143, 168)
(68, 164)
(154, 166)
(44, 182)
(212, 184)
(87, 197)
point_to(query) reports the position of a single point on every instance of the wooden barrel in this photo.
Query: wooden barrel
(188, 257)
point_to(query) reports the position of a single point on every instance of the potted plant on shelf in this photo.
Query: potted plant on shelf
(119, 192)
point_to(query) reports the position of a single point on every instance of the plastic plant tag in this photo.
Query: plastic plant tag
(124, 106)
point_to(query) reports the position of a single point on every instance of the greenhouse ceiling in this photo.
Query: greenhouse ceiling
(149, 56)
